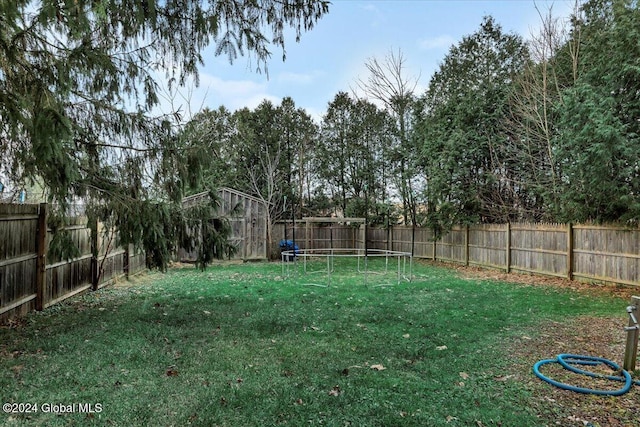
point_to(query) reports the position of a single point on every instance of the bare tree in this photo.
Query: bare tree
(264, 177)
(538, 90)
(389, 84)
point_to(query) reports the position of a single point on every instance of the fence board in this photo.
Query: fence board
(423, 243)
(402, 239)
(325, 237)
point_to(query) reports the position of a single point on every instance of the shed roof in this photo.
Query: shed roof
(195, 198)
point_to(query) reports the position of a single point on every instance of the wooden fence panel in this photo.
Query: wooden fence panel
(488, 245)
(600, 253)
(540, 248)
(316, 236)
(136, 261)
(401, 238)
(323, 238)
(452, 246)
(110, 262)
(112, 267)
(282, 230)
(18, 259)
(67, 277)
(606, 254)
(377, 238)
(590, 252)
(298, 234)
(423, 244)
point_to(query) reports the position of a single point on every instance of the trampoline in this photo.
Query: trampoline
(394, 265)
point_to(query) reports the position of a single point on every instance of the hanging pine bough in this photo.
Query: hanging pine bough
(61, 247)
(78, 86)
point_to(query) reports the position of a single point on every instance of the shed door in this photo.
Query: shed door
(238, 234)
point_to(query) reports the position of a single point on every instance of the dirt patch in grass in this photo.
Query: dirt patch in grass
(591, 336)
(140, 279)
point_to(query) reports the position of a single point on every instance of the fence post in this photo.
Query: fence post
(570, 251)
(41, 261)
(413, 238)
(508, 248)
(94, 254)
(388, 234)
(633, 334)
(466, 244)
(126, 260)
(435, 248)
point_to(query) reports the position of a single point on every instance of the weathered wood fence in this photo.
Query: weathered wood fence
(574, 251)
(30, 280)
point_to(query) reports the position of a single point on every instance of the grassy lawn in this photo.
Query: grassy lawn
(237, 345)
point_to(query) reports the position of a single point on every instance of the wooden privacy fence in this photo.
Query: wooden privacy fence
(573, 251)
(29, 280)
(316, 236)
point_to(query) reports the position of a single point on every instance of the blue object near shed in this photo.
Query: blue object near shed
(289, 245)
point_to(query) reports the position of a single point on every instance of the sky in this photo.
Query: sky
(332, 56)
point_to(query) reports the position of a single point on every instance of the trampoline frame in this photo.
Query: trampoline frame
(362, 255)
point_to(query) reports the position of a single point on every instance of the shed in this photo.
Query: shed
(247, 216)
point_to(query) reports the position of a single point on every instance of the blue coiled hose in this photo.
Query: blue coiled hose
(569, 362)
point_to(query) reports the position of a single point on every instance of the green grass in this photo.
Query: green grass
(238, 345)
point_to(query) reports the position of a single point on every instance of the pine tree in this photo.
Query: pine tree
(598, 131)
(462, 126)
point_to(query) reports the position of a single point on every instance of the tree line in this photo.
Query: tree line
(509, 129)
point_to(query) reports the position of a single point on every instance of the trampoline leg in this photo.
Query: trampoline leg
(366, 269)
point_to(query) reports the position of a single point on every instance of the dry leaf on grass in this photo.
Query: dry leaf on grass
(378, 367)
(335, 391)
